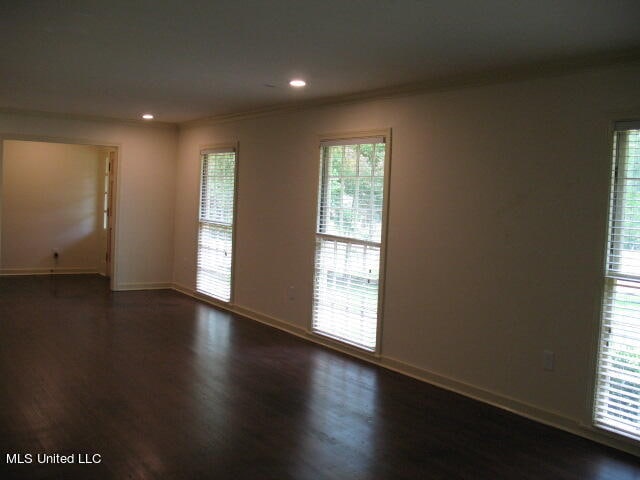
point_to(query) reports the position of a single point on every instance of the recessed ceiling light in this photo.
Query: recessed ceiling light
(297, 83)
(147, 116)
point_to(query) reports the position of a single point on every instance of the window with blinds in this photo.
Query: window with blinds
(349, 239)
(617, 396)
(215, 226)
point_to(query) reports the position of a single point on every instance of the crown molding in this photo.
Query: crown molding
(515, 73)
(89, 118)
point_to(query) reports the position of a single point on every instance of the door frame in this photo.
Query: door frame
(112, 158)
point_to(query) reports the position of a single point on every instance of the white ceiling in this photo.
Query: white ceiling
(184, 60)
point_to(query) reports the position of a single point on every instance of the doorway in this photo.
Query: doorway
(57, 207)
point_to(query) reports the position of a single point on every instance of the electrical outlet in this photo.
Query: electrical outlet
(291, 292)
(548, 360)
(55, 254)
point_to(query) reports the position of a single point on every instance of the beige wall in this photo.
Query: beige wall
(51, 201)
(146, 187)
(496, 230)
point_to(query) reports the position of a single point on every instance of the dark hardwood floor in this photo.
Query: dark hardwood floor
(163, 386)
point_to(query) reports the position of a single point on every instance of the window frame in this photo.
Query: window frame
(386, 134)
(235, 147)
(609, 278)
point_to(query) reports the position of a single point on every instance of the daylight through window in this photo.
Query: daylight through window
(349, 240)
(215, 232)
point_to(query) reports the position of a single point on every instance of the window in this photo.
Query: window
(349, 240)
(617, 396)
(215, 229)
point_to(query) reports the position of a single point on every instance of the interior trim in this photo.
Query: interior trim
(514, 73)
(47, 271)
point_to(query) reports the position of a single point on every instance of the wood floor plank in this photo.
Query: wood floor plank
(163, 386)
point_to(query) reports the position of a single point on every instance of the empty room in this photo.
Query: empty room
(364, 239)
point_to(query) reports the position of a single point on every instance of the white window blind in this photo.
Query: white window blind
(349, 240)
(617, 397)
(215, 231)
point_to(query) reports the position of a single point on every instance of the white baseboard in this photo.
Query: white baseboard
(120, 287)
(47, 271)
(192, 293)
